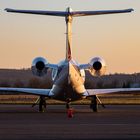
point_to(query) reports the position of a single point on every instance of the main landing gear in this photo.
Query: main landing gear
(69, 108)
(94, 103)
(42, 103)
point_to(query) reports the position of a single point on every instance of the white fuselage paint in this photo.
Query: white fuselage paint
(69, 82)
(76, 79)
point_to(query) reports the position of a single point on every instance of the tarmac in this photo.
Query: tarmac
(22, 122)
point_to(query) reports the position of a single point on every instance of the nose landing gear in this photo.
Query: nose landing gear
(69, 108)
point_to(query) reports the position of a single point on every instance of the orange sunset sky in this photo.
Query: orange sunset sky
(116, 38)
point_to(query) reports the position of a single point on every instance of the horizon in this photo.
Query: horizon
(115, 37)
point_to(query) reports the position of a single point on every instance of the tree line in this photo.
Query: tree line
(24, 78)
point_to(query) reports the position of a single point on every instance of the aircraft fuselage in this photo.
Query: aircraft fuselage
(68, 81)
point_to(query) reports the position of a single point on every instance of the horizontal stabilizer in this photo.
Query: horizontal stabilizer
(39, 12)
(68, 12)
(102, 12)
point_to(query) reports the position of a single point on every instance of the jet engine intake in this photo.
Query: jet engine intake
(39, 66)
(97, 66)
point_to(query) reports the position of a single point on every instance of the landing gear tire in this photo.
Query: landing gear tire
(94, 104)
(70, 113)
(69, 108)
(42, 104)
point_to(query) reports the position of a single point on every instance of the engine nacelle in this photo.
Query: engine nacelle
(97, 66)
(39, 66)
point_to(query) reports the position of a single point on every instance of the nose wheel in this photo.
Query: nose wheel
(70, 113)
(69, 108)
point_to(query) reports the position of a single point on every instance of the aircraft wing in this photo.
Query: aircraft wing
(39, 12)
(44, 92)
(91, 92)
(102, 12)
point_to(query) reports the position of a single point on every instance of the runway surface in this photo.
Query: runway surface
(21, 122)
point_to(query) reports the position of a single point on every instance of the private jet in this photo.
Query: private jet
(68, 76)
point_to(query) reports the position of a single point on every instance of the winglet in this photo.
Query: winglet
(129, 10)
(8, 10)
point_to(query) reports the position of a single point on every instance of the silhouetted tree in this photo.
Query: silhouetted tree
(5, 84)
(34, 83)
(18, 84)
